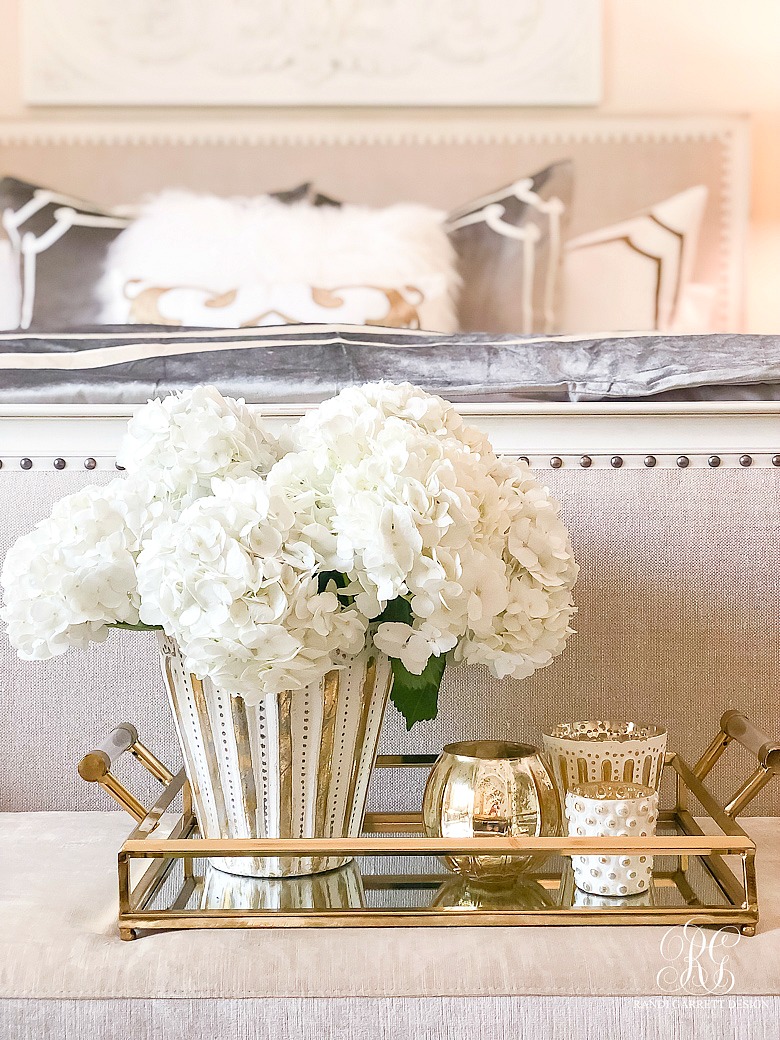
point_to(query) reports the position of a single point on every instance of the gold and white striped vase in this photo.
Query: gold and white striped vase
(340, 889)
(295, 765)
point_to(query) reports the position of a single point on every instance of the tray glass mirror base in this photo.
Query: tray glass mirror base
(704, 869)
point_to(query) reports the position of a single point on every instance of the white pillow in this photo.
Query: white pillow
(203, 260)
(633, 276)
(10, 294)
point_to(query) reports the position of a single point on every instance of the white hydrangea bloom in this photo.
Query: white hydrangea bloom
(536, 623)
(74, 574)
(237, 587)
(184, 441)
(348, 422)
(221, 535)
(417, 513)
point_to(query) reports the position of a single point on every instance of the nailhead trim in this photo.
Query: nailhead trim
(555, 462)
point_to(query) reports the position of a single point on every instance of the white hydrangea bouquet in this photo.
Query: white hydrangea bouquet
(380, 516)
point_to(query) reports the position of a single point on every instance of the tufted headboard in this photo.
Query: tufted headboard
(621, 166)
(674, 511)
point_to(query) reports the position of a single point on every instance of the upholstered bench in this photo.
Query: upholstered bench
(64, 971)
(679, 603)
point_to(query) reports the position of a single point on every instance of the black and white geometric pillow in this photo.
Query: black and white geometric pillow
(510, 246)
(60, 244)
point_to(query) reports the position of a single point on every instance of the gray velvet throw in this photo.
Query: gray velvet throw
(308, 363)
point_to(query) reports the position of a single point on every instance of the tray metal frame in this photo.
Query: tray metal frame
(397, 834)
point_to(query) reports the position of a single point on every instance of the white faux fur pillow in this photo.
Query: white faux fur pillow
(202, 260)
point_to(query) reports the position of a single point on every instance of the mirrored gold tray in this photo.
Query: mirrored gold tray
(704, 867)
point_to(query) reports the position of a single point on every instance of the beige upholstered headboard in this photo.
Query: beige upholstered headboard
(621, 166)
(678, 594)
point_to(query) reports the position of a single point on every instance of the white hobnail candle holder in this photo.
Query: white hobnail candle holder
(617, 752)
(612, 810)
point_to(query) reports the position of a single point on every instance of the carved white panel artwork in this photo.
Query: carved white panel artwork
(312, 52)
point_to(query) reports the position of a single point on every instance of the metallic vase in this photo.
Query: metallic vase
(295, 765)
(479, 788)
(517, 893)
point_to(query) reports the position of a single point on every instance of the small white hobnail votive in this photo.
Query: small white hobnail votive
(620, 752)
(612, 810)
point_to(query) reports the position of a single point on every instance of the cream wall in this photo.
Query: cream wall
(661, 57)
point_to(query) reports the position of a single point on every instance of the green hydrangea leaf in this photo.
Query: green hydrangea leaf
(417, 696)
(398, 609)
(324, 578)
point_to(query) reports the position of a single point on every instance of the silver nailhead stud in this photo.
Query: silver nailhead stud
(713, 461)
(120, 468)
(59, 463)
(90, 464)
(650, 461)
(556, 462)
(683, 461)
(776, 460)
(525, 459)
(26, 463)
(745, 461)
(616, 462)
(586, 461)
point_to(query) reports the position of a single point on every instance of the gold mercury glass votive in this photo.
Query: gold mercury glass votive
(605, 751)
(479, 788)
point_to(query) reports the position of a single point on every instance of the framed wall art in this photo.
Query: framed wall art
(312, 52)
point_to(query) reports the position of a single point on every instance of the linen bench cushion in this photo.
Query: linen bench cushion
(65, 972)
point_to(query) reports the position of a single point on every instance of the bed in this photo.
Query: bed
(665, 451)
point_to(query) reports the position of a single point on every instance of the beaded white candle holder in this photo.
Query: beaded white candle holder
(607, 809)
(585, 752)
(580, 898)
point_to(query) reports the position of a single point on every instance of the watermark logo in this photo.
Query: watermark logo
(697, 960)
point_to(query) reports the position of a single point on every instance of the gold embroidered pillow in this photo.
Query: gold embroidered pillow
(207, 261)
(282, 304)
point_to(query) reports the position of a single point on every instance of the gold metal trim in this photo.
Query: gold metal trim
(397, 835)
(739, 892)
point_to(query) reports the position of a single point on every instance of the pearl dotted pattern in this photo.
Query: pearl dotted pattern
(598, 815)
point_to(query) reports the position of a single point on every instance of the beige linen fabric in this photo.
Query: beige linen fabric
(59, 941)
(679, 600)
(488, 1018)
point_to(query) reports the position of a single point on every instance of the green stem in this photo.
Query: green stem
(140, 627)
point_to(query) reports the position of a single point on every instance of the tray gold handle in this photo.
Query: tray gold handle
(96, 765)
(736, 726)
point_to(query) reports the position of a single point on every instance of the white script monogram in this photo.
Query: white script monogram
(697, 960)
